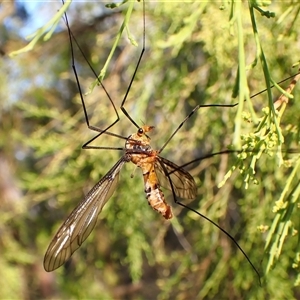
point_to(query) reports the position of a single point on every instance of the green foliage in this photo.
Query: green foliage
(47, 30)
(196, 53)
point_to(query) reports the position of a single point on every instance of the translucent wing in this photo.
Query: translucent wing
(182, 181)
(82, 220)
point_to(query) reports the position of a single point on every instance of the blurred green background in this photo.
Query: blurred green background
(193, 53)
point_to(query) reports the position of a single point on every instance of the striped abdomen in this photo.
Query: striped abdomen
(154, 195)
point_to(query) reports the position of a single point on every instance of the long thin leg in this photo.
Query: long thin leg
(167, 174)
(91, 127)
(135, 71)
(295, 77)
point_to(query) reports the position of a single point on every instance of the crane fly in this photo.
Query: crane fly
(155, 169)
(157, 172)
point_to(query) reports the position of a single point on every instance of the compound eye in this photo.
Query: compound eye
(140, 131)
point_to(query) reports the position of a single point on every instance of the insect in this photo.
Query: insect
(157, 171)
(82, 220)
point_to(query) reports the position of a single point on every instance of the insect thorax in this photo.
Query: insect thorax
(138, 143)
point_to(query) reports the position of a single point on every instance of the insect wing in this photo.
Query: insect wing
(183, 183)
(82, 220)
